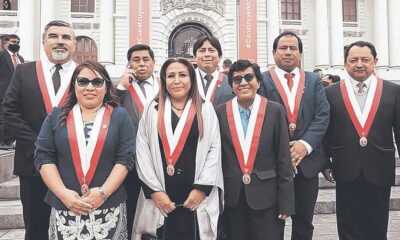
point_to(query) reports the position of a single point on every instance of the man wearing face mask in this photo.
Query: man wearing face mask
(9, 59)
(35, 88)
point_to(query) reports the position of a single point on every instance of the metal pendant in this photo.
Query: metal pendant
(84, 189)
(170, 170)
(246, 178)
(292, 127)
(363, 141)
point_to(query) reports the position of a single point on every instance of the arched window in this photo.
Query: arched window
(9, 5)
(349, 10)
(82, 5)
(86, 49)
(290, 10)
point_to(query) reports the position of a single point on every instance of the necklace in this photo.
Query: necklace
(179, 109)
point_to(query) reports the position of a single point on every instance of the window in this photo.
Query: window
(9, 5)
(82, 5)
(349, 10)
(290, 9)
(86, 49)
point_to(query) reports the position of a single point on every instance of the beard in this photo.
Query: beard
(58, 54)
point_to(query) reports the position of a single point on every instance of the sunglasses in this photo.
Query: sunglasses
(238, 79)
(84, 82)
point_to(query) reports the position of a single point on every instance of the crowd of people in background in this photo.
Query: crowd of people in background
(196, 153)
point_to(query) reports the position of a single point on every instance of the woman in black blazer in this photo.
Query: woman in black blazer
(84, 152)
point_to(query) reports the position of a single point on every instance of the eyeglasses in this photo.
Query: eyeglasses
(238, 79)
(84, 82)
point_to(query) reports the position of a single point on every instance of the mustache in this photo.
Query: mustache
(60, 46)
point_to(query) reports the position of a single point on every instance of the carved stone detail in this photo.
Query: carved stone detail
(217, 6)
(81, 25)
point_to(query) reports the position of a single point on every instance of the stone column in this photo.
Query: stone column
(381, 35)
(48, 8)
(29, 15)
(337, 48)
(272, 28)
(321, 33)
(106, 48)
(394, 33)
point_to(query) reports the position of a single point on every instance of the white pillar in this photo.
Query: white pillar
(106, 49)
(272, 27)
(337, 48)
(49, 12)
(321, 33)
(394, 33)
(381, 36)
(29, 23)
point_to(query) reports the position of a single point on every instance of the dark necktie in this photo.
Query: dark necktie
(208, 78)
(141, 85)
(289, 77)
(361, 87)
(57, 78)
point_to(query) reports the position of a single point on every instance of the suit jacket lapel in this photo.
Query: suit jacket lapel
(9, 61)
(21, 59)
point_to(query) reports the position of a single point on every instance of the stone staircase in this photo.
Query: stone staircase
(11, 219)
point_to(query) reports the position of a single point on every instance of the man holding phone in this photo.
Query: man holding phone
(137, 86)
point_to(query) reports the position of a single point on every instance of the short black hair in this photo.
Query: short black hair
(287, 33)
(241, 65)
(227, 62)
(317, 70)
(360, 44)
(8, 37)
(213, 40)
(56, 23)
(335, 78)
(139, 47)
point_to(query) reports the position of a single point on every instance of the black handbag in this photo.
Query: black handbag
(146, 236)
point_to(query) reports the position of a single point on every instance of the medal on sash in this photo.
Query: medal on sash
(83, 172)
(176, 150)
(137, 95)
(292, 116)
(44, 90)
(362, 130)
(246, 150)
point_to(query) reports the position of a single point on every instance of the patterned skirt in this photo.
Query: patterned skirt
(107, 223)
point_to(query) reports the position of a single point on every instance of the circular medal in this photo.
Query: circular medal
(363, 141)
(246, 178)
(170, 170)
(84, 188)
(292, 127)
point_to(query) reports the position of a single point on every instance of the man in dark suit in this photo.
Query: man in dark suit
(303, 96)
(259, 191)
(9, 59)
(365, 112)
(137, 86)
(35, 88)
(213, 85)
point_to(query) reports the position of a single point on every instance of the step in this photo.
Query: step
(326, 201)
(325, 184)
(11, 214)
(6, 165)
(10, 189)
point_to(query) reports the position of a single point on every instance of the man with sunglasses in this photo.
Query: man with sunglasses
(35, 88)
(9, 59)
(137, 86)
(303, 96)
(259, 192)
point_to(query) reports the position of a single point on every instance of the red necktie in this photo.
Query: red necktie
(14, 57)
(289, 77)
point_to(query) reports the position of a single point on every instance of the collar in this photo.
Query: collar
(282, 72)
(51, 65)
(150, 80)
(11, 53)
(247, 111)
(214, 74)
(367, 82)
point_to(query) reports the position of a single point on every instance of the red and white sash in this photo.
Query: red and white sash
(246, 145)
(50, 99)
(213, 85)
(292, 115)
(86, 157)
(138, 97)
(173, 142)
(362, 120)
